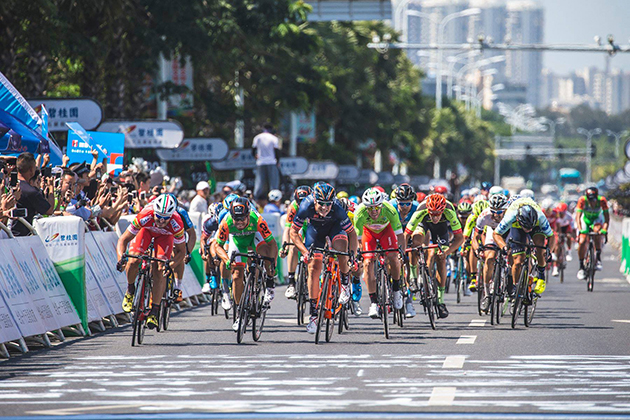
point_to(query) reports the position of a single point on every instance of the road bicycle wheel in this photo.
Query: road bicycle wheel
(146, 298)
(330, 322)
(259, 309)
(214, 301)
(323, 300)
(427, 298)
(166, 315)
(561, 263)
(244, 310)
(494, 297)
(459, 280)
(449, 274)
(383, 300)
(520, 294)
(301, 292)
(530, 309)
(590, 267)
(480, 292)
(138, 309)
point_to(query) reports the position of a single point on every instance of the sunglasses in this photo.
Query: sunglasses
(435, 214)
(497, 211)
(162, 218)
(325, 203)
(403, 204)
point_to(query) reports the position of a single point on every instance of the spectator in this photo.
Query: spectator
(32, 198)
(273, 206)
(266, 150)
(199, 203)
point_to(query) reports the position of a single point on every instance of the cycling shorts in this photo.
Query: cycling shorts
(440, 232)
(386, 237)
(243, 244)
(519, 235)
(317, 237)
(588, 223)
(163, 244)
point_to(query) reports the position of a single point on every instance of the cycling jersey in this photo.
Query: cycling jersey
(256, 232)
(412, 210)
(564, 221)
(145, 220)
(421, 217)
(335, 224)
(472, 219)
(509, 220)
(185, 217)
(388, 216)
(591, 214)
(485, 223)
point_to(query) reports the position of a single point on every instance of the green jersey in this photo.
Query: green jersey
(387, 216)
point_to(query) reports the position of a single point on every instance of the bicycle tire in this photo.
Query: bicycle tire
(301, 286)
(137, 309)
(428, 299)
(343, 313)
(214, 302)
(382, 298)
(590, 267)
(480, 291)
(244, 309)
(460, 278)
(449, 278)
(520, 293)
(166, 317)
(330, 322)
(496, 287)
(323, 292)
(146, 296)
(260, 312)
(561, 263)
(529, 310)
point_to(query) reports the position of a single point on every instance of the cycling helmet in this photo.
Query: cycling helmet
(480, 197)
(480, 206)
(214, 209)
(227, 201)
(240, 209)
(592, 193)
(527, 193)
(498, 202)
(342, 194)
(274, 195)
(486, 186)
(392, 195)
(562, 207)
(465, 193)
(527, 216)
(405, 192)
(345, 203)
(210, 225)
(354, 199)
(165, 205)
(440, 189)
(464, 208)
(372, 197)
(323, 191)
(513, 198)
(381, 189)
(436, 203)
(420, 196)
(495, 190)
(301, 192)
(474, 191)
(240, 188)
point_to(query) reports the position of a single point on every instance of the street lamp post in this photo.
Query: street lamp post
(589, 145)
(617, 137)
(476, 65)
(552, 124)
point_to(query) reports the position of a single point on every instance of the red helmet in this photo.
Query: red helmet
(440, 189)
(436, 203)
(420, 196)
(381, 189)
(562, 207)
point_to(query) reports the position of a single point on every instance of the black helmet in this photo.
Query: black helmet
(592, 193)
(240, 208)
(301, 192)
(486, 186)
(527, 217)
(405, 192)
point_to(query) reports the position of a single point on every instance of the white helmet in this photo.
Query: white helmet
(165, 205)
(274, 195)
(479, 197)
(475, 191)
(495, 190)
(527, 193)
(547, 203)
(373, 197)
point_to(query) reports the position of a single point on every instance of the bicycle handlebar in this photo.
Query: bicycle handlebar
(329, 251)
(422, 247)
(145, 258)
(252, 255)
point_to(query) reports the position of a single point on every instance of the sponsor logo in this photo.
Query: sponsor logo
(51, 238)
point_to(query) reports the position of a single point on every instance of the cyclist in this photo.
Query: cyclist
(464, 210)
(485, 188)
(291, 253)
(483, 234)
(245, 229)
(209, 255)
(437, 216)
(591, 215)
(326, 220)
(159, 222)
(376, 220)
(523, 219)
(478, 206)
(357, 290)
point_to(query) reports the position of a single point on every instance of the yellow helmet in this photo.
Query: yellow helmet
(342, 194)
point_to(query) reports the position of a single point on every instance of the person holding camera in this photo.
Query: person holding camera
(32, 198)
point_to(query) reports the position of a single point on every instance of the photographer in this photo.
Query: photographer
(32, 198)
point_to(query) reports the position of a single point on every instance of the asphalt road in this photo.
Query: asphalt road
(574, 361)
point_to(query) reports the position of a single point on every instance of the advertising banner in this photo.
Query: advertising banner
(101, 270)
(196, 263)
(319, 170)
(110, 146)
(64, 240)
(107, 242)
(180, 75)
(151, 134)
(9, 330)
(197, 149)
(293, 165)
(85, 111)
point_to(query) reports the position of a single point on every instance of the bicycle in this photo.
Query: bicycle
(252, 305)
(328, 306)
(142, 299)
(590, 261)
(428, 285)
(525, 298)
(460, 275)
(167, 302)
(301, 286)
(384, 287)
(561, 257)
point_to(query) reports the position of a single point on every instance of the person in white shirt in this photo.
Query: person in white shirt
(266, 148)
(199, 203)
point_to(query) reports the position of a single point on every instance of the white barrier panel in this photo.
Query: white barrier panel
(107, 242)
(37, 257)
(273, 221)
(9, 330)
(123, 223)
(190, 285)
(101, 270)
(97, 306)
(27, 318)
(197, 218)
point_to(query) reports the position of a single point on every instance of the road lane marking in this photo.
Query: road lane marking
(477, 323)
(625, 321)
(360, 373)
(442, 395)
(454, 362)
(467, 339)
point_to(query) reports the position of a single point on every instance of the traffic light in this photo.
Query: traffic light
(593, 151)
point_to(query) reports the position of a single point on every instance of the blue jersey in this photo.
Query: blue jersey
(509, 219)
(306, 211)
(414, 207)
(185, 218)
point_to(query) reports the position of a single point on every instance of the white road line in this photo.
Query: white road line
(442, 395)
(467, 339)
(454, 362)
(360, 373)
(625, 321)
(477, 323)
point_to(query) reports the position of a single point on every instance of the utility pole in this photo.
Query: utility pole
(589, 147)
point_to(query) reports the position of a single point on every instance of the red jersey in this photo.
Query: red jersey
(146, 220)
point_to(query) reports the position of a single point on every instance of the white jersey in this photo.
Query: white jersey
(487, 223)
(566, 220)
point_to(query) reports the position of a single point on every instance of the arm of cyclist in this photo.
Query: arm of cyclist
(456, 227)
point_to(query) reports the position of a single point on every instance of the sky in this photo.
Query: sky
(578, 21)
